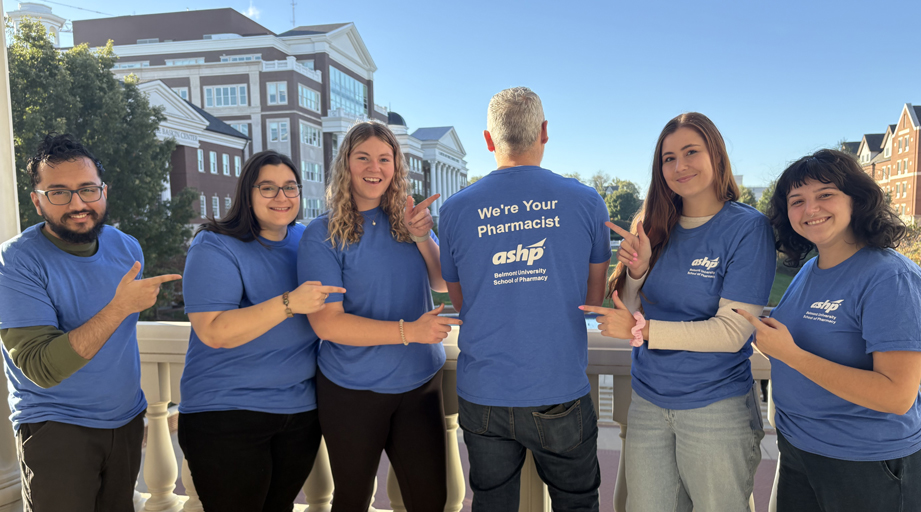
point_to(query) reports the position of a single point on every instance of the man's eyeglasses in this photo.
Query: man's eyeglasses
(271, 191)
(60, 196)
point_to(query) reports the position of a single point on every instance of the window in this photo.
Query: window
(131, 65)
(242, 128)
(213, 162)
(236, 166)
(306, 63)
(888, 151)
(898, 167)
(203, 205)
(311, 208)
(240, 58)
(225, 164)
(278, 131)
(311, 135)
(149, 41)
(277, 93)
(347, 93)
(227, 204)
(311, 172)
(216, 207)
(201, 160)
(308, 98)
(225, 96)
(184, 62)
(183, 92)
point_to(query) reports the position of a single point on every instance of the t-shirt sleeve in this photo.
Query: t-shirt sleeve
(24, 301)
(750, 270)
(318, 260)
(212, 280)
(601, 239)
(448, 266)
(890, 315)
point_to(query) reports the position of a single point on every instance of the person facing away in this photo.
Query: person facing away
(521, 250)
(70, 295)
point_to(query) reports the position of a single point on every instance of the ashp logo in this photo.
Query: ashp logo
(706, 263)
(530, 254)
(827, 306)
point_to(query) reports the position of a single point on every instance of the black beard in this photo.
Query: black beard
(73, 237)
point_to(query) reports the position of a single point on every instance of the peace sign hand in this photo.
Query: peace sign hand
(614, 322)
(772, 338)
(418, 218)
(635, 250)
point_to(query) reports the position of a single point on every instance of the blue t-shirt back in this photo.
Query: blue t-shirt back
(275, 372)
(385, 280)
(43, 285)
(731, 257)
(870, 302)
(519, 241)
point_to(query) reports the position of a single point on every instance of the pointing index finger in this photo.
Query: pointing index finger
(619, 230)
(164, 278)
(409, 205)
(429, 201)
(752, 319)
(594, 309)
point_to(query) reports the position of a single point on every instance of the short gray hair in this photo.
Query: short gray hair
(514, 119)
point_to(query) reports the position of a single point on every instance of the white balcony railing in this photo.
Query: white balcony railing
(291, 64)
(380, 109)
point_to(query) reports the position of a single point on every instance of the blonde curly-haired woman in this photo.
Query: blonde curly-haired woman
(379, 376)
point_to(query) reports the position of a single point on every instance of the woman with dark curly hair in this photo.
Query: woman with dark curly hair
(844, 344)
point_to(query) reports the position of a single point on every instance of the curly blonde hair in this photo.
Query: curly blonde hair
(345, 221)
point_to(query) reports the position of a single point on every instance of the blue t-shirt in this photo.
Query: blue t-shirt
(870, 302)
(731, 257)
(275, 372)
(519, 241)
(43, 285)
(384, 280)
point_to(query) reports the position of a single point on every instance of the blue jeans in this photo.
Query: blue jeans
(562, 438)
(702, 458)
(813, 483)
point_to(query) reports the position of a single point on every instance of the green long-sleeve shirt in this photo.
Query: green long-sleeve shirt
(43, 352)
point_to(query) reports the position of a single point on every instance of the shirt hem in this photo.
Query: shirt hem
(911, 450)
(499, 402)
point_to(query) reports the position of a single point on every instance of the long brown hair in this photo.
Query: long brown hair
(345, 221)
(662, 207)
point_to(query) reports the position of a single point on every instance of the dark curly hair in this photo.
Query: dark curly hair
(54, 149)
(873, 221)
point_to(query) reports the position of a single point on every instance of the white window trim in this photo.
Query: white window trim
(212, 156)
(201, 160)
(180, 90)
(237, 165)
(225, 163)
(279, 87)
(305, 128)
(302, 86)
(242, 95)
(227, 204)
(203, 205)
(216, 206)
(194, 61)
(279, 123)
(242, 58)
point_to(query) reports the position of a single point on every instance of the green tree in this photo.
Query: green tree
(472, 179)
(75, 92)
(599, 181)
(747, 196)
(622, 206)
(765, 201)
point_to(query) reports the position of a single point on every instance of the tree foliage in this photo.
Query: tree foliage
(765, 201)
(75, 92)
(747, 196)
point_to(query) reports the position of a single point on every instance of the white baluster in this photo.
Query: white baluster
(193, 504)
(160, 471)
(318, 489)
(393, 491)
(620, 486)
(373, 495)
(457, 488)
(534, 496)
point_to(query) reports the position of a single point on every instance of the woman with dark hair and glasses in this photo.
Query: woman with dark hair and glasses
(248, 421)
(844, 344)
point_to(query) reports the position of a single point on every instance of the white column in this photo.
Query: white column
(318, 489)
(457, 488)
(436, 187)
(442, 178)
(160, 470)
(193, 504)
(393, 491)
(10, 486)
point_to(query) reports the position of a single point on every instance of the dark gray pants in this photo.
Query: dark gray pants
(79, 469)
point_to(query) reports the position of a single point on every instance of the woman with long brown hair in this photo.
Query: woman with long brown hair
(695, 254)
(379, 378)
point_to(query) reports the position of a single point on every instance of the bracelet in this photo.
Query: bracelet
(637, 330)
(419, 239)
(402, 335)
(284, 298)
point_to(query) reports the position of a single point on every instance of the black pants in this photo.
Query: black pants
(410, 427)
(813, 483)
(79, 469)
(249, 461)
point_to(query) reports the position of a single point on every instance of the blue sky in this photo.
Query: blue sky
(780, 78)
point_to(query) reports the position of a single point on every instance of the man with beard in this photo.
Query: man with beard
(68, 321)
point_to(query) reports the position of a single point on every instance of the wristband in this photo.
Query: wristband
(419, 239)
(637, 330)
(284, 298)
(402, 335)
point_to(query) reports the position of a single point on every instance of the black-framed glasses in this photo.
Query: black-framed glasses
(60, 196)
(269, 191)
